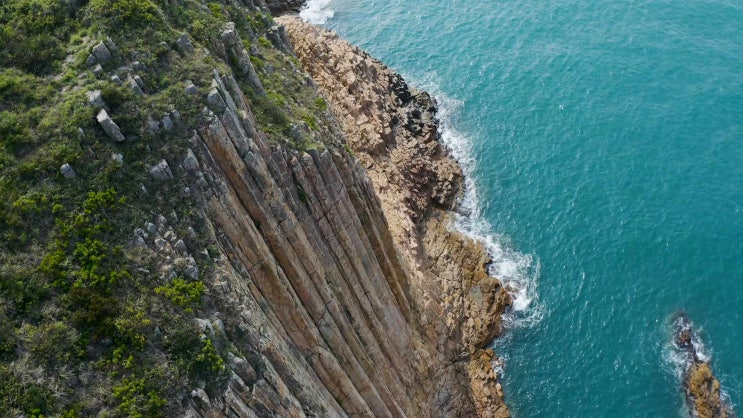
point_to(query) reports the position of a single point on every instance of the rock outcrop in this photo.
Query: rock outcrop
(278, 7)
(701, 388)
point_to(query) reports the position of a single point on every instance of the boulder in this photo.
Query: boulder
(90, 61)
(101, 52)
(138, 66)
(136, 89)
(190, 163)
(277, 36)
(216, 101)
(67, 171)
(137, 79)
(229, 35)
(153, 126)
(111, 44)
(190, 87)
(109, 126)
(184, 45)
(161, 171)
(181, 247)
(167, 123)
(95, 99)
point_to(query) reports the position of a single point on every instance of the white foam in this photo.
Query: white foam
(675, 361)
(518, 272)
(316, 12)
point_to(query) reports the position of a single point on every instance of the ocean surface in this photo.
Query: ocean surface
(604, 146)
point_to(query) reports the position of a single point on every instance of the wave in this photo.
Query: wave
(316, 12)
(518, 272)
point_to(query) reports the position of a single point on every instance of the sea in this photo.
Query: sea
(603, 144)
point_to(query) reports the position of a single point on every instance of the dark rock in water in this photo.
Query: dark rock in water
(701, 388)
(278, 7)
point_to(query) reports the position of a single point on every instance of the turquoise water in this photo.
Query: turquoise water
(604, 140)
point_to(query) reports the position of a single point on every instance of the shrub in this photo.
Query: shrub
(182, 293)
(123, 16)
(33, 33)
(81, 256)
(207, 361)
(50, 344)
(140, 396)
(320, 104)
(18, 395)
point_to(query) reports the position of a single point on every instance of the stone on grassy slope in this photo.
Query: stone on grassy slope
(109, 126)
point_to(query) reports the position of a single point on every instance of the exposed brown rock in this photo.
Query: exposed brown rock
(704, 391)
(701, 388)
(393, 132)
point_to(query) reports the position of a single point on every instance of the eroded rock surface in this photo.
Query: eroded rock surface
(393, 132)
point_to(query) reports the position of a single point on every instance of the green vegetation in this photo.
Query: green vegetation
(34, 33)
(182, 293)
(122, 16)
(88, 321)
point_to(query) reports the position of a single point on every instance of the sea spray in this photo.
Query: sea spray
(518, 272)
(316, 12)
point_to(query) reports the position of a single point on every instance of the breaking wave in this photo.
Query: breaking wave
(317, 12)
(518, 272)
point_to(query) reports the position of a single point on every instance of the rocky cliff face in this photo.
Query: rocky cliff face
(342, 270)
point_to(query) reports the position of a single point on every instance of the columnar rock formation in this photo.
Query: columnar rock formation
(393, 132)
(341, 273)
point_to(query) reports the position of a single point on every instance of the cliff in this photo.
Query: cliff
(195, 225)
